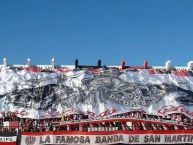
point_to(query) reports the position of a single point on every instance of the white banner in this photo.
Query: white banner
(8, 139)
(43, 94)
(43, 138)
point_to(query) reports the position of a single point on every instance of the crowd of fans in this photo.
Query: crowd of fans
(174, 117)
(10, 122)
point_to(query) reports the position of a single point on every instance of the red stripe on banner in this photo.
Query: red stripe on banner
(7, 143)
(108, 132)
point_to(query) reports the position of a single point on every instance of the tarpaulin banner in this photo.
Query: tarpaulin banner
(43, 94)
(92, 138)
(8, 138)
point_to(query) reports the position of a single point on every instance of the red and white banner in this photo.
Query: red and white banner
(114, 137)
(8, 138)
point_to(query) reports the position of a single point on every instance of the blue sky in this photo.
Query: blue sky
(110, 30)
